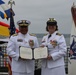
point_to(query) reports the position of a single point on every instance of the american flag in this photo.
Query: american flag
(10, 14)
(12, 25)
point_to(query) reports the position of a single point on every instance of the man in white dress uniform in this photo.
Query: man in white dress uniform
(55, 42)
(23, 38)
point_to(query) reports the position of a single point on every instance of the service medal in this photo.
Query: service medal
(54, 43)
(31, 43)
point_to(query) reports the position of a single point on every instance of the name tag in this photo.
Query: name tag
(19, 40)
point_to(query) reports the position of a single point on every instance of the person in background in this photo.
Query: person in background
(23, 38)
(56, 45)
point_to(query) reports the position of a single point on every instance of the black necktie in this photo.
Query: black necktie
(49, 36)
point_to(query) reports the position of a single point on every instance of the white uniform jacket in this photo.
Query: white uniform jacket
(15, 41)
(58, 52)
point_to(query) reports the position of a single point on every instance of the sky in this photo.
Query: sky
(39, 11)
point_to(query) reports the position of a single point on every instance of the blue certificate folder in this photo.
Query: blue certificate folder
(33, 53)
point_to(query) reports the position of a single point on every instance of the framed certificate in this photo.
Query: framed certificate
(40, 53)
(25, 53)
(37, 53)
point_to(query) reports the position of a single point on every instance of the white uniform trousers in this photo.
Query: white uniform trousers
(53, 71)
(17, 73)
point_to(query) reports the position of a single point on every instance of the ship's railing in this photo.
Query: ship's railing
(4, 61)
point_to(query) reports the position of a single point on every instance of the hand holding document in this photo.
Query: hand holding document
(40, 52)
(37, 53)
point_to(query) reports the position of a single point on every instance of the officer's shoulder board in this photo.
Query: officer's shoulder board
(58, 34)
(32, 35)
(15, 34)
